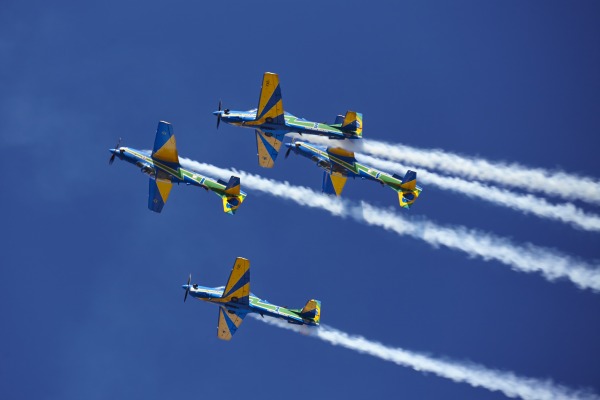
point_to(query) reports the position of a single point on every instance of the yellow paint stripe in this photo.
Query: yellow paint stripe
(164, 187)
(168, 151)
(338, 182)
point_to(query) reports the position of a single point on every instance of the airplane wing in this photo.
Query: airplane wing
(229, 322)
(165, 148)
(270, 103)
(333, 183)
(159, 191)
(268, 146)
(238, 285)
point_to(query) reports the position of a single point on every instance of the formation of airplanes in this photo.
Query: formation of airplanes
(271, 124)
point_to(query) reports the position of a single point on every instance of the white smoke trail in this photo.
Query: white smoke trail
(528, 258)
(526, 203)
(475, 375)
(554, 183)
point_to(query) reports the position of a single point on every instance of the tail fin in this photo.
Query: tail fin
(353, 123)
(270, 103)
(409, 191)
(232, 196)
(233, 186)
(312, 311)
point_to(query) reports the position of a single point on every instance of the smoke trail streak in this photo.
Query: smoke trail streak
(528, 258)
(567, 213)
(473, 374)
(554, 183)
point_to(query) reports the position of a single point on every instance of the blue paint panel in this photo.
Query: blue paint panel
(161, 139)
(155, 201)
(410, 176)
(327, 184)
(272, 151)
(275, 97)
(244, 279)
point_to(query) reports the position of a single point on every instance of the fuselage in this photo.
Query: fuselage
(295, 124)
(177, 174)
(336, 159)
(256, 305)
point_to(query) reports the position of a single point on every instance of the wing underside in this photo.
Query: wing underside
(270, 103)
(237, 289)
(268, 146)
(160, 187)
(333, 182)
(165, 147)
(229, 322)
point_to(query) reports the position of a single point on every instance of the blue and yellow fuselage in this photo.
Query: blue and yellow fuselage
(255, 305)
(247, 119)
(174, 173)
(143, 160)
(335, 158)
(340, 164)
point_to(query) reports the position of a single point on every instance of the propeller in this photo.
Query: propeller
(287, 153)
(112, 158)
(219, 115)
(187, 290)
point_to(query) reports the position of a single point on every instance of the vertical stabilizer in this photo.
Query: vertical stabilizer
(353, 124)
(312, 311)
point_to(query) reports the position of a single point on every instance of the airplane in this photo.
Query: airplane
(339, 164)
(163, 168)
(271, 123)
(235, 301)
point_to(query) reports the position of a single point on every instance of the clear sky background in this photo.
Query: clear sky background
(90, 279)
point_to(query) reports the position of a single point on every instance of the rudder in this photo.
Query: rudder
(312, 311)
(353, 123)
(409, 190)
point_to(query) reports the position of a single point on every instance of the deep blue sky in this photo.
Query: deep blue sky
(90, 278)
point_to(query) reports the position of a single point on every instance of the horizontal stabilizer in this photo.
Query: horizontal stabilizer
(232, 195)
(232, 203)
(409, 190)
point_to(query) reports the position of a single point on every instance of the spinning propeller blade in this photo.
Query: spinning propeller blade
(112, 158)
(219, 115)
(287, 153)
(187, 290)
